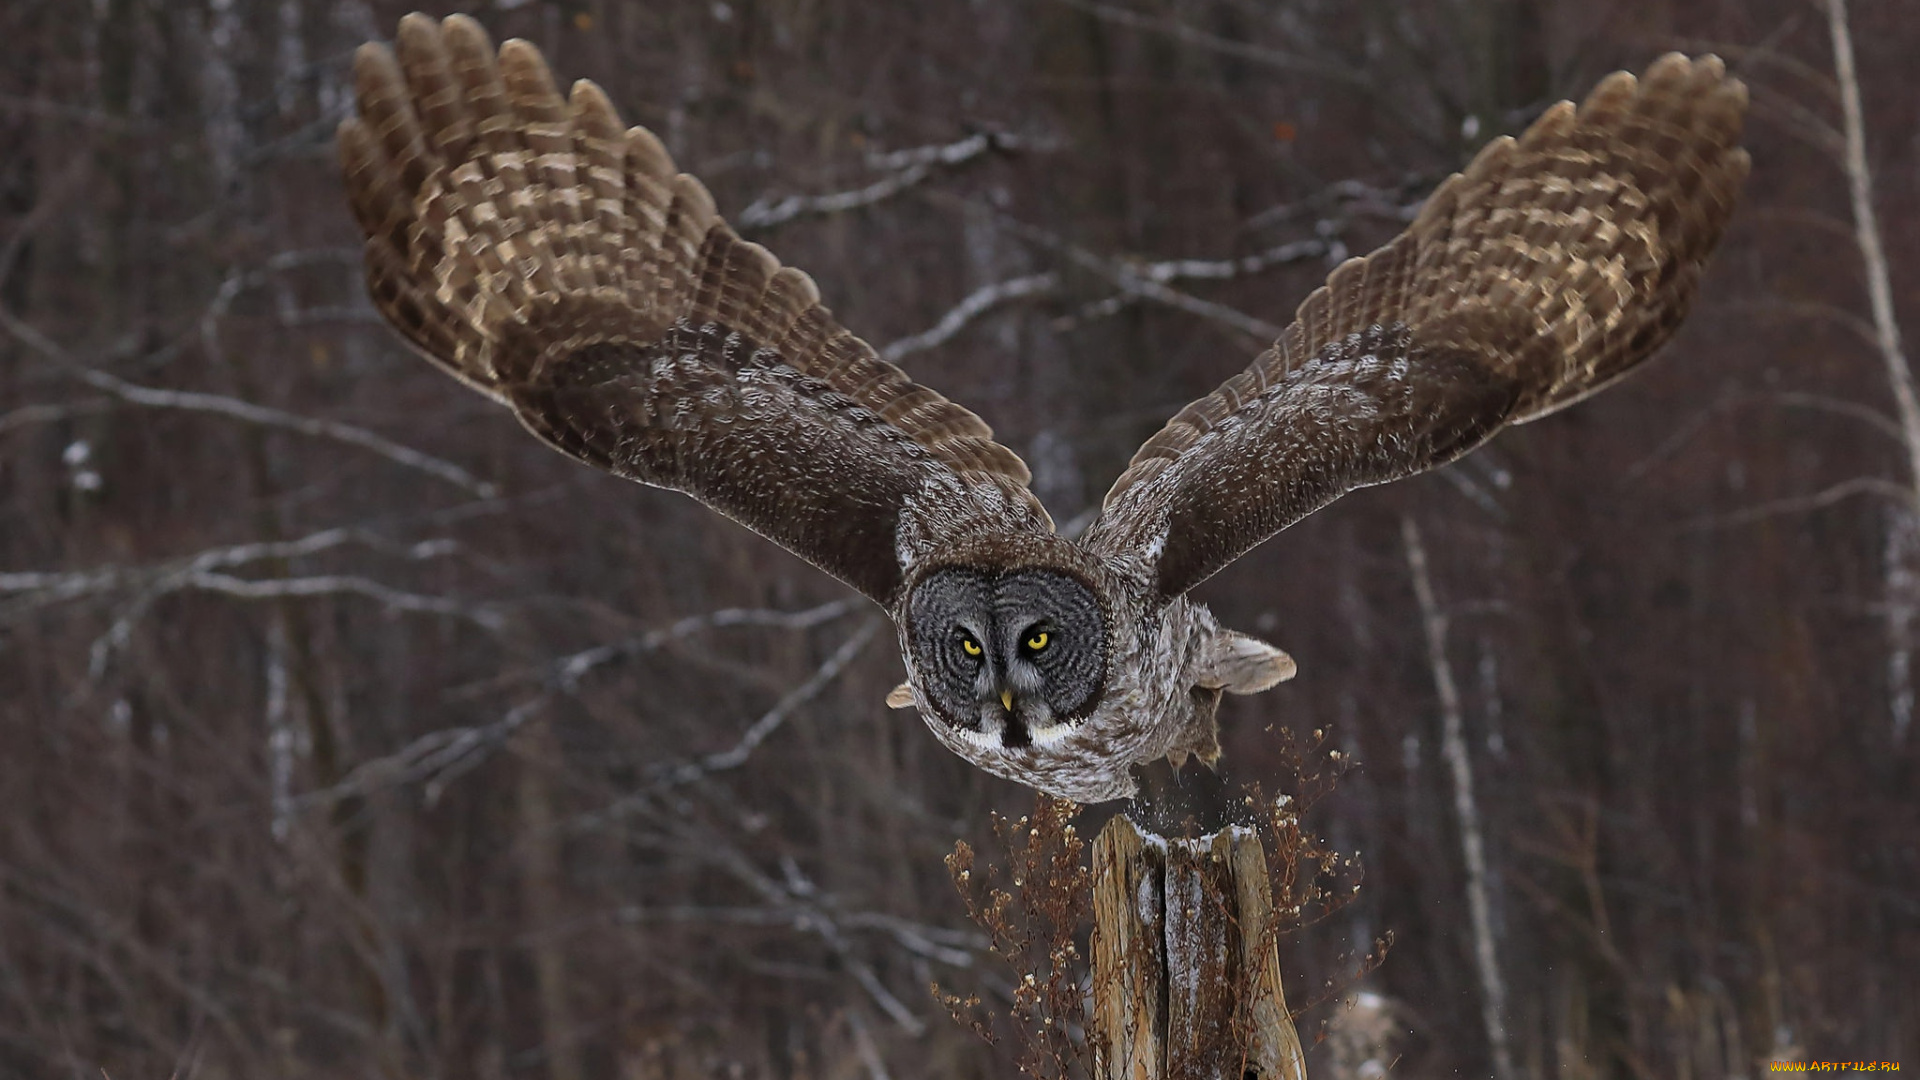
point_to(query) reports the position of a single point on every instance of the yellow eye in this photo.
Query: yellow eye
(969, 646)
(1039, 641)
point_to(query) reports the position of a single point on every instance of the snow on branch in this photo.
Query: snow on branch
(487, 616)
(1223, 269)
(245, 411)
(1139, 280)
(51, 587)
(340, 585)
(977, 303)
(1148, 281)
(208, 571)
(909, 168)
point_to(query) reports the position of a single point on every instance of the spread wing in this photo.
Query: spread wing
(543, 254)
(1553, 265)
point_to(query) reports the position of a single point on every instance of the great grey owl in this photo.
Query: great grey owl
(547, 256)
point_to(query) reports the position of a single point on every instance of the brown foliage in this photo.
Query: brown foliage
(1035, 908)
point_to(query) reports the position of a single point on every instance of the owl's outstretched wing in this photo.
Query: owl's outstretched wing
(1553, 265)
(546, 256)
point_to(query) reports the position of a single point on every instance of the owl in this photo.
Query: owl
(539, 251)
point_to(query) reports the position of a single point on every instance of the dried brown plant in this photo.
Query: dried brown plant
(1033, 907)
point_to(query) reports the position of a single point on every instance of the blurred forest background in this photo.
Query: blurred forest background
(347, 731)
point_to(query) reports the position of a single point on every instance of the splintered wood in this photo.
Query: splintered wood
(1186, 972)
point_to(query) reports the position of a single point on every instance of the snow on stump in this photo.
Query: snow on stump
(1186, 968)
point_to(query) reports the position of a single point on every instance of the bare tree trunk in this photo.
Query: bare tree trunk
(1493, 1003)
(540, 891)
(1901, 549)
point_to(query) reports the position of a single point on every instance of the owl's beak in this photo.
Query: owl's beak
(1006, 698)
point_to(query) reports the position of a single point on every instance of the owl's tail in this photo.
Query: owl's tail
(505, 223)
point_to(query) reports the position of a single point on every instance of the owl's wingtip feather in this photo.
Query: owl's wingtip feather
(418, 26)
(591, 105)
(465, 34)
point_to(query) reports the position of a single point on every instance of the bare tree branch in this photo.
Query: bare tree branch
(52, 413)
(869, 1053)
(200, 572)
(1685, 433)
(440, 757)
(802, 897)
(565, 673)
(69, 180)
(976, 303)
(1179, 31)
(487, 616)
(671, 775)
(773, 718)
(1765, 54)
(958, 152)
(1352, 72)
(1204, 270)
(1244, 266)
(1797, 120)
(569, 670)
(1852, 410)
(1779, 307)
(1400, 202)
(1859, 485)
(1139, 280)
(194, 401)
(911, 168)
(61, 585)
(1000, 293)
(341, 585)
(954, 948)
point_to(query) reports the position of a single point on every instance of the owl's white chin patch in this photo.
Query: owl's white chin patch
(984, 739)
(989, 735)
(1051, 735)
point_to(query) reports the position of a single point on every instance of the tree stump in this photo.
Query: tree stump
(1186, 973)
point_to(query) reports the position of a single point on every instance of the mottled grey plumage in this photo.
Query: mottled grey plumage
(547, 257)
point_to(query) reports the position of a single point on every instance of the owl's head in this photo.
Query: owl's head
(1007, 658)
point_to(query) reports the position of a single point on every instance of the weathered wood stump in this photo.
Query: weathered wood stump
(1186, 974)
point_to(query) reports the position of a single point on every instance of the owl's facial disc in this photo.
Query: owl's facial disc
(1007, 659)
